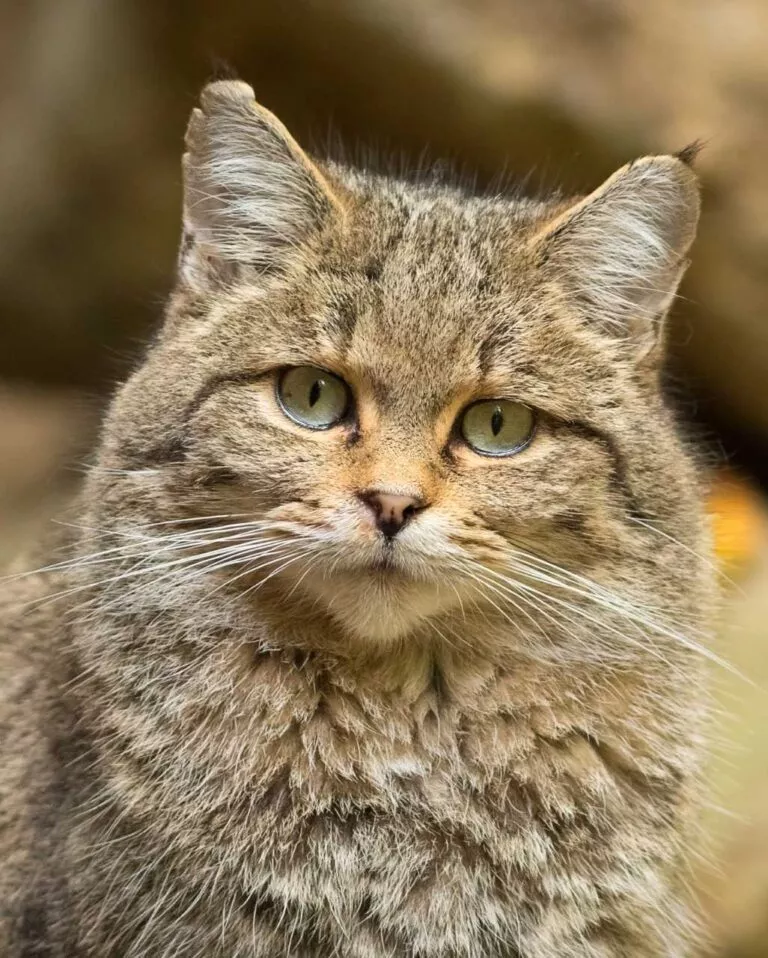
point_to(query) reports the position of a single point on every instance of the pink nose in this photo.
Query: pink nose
(390, 511)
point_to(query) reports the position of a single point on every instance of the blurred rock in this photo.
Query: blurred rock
(44, 439)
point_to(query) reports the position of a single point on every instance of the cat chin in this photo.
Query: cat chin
(380, 605)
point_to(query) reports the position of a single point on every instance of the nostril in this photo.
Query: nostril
(389, 527)
(391, 511)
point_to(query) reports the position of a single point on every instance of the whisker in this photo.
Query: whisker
(249, 570)
(706, 561)
(106, 555)
(258, 585)
(601, 597)
(494, 604)
(146, 566)
(601, 625)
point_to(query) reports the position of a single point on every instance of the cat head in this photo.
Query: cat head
(405, 403)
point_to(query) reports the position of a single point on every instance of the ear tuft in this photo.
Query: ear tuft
(689, 154)
(251, 195)
(622, 249)
(222, 69)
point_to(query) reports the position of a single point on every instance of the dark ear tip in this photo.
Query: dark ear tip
(222, 69)
(689, 154)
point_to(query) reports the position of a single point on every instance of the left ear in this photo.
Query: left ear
(252, 196)
(622, 250)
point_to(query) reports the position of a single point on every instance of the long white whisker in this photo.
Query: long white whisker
(164, 543)
(601, 597)
(706, 561)
(145, 566)
(250, 570)
(600, 624)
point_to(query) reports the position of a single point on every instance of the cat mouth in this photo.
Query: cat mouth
(383, 564)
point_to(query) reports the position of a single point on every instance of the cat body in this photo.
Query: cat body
(362, 679)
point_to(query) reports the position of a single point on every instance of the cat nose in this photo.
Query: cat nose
(391, 511)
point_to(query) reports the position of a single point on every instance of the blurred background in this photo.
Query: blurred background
(94, 98)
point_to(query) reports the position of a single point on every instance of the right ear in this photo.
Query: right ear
(252, 197)
(623, 249)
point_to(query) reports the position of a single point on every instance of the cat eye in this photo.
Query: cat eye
(497, 427)
(312, 397)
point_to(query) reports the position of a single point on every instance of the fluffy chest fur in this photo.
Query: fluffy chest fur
(439, 808)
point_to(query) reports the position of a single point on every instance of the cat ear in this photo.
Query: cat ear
(622, 249)
(251, 195)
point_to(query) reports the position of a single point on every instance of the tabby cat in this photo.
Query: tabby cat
(380, 625)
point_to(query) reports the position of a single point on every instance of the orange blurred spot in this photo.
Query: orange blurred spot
(736, 520)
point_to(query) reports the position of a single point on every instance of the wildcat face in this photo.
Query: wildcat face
(422, 302)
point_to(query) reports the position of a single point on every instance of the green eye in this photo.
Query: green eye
(497, 427)
(313, 397)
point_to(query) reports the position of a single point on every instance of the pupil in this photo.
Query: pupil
(497, 421)
(314, 392)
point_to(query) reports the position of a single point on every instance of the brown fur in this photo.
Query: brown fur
(480, 740)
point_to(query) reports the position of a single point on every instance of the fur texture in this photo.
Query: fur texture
(241, 722)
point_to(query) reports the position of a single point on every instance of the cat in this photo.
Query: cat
(380, 626)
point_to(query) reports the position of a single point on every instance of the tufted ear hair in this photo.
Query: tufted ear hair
(252, 197)
(621, 251)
